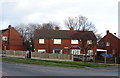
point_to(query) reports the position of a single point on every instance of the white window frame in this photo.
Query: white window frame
(89, 41)
(90, 52)
(74, 41)
(107, 43)
(41, 41)
(57, 49)
(41, 50)
(75, 51)
(57, 41)
(4, 38)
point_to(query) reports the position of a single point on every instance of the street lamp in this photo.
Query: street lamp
(30, 49)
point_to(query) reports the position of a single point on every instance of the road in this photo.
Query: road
(14, 69)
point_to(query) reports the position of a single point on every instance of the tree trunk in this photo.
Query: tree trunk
(85, 60)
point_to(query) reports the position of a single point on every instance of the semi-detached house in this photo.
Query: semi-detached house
(110, 42)
(63, 41)
(10, 39)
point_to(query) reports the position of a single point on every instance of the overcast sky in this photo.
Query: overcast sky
(103, 13)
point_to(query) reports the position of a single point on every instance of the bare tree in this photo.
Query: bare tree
(80, 23)
(48, 26)
(88, 42)
(28, 30)
(85, 47)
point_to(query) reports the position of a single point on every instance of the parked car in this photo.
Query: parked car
(82, 57)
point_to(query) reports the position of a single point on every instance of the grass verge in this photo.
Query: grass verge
(53, 63)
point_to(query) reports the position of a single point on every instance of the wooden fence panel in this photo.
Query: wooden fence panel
(0, 51)
(37, 55)
(19, 53)
(52, 56)
(10, 52)
(44, 55)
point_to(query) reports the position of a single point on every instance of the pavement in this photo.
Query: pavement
(111, 68)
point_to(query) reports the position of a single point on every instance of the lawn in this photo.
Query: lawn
(53, 63)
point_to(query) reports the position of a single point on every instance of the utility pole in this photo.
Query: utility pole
(30, 49)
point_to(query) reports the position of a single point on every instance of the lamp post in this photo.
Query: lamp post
(115, 57)
(30, 49)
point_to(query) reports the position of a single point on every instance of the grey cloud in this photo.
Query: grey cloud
(57, 10)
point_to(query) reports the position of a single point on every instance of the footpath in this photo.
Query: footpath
(111, 68)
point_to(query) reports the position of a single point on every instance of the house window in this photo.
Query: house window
(57, 51)
(4, 38)
(74, 41)
(41, 41)
(107, 43)
(41, 50)
(89, 41)
(57, 41)
(102, 44)
(90, 52)
(75, 51)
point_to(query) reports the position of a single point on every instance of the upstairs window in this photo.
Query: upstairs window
(57, 41)
(74, 41)
(41, 41)
(89, 41)
(4, 38)
(107, 43)
(101, 44)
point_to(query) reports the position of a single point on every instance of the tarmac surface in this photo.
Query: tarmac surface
(14, 69)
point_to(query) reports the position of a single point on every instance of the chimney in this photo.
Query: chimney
(9, 26)
(71, 28)
(107, 32)
(56, 28)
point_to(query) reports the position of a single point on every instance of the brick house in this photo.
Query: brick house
(10, 39)
(110, 42)
(62, 41)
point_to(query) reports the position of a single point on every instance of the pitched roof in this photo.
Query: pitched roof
(4, 30)
(65, 34)
(113, 36)
(116, 36)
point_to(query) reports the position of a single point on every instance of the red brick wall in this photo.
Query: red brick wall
(119, 47)
(0, 41)
(49, 45)
(15, 40)
(114, 43)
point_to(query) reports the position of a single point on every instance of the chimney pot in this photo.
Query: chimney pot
(72, 28)
(56, 28)
(114, 33)
(9, 26)
(107, 32)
